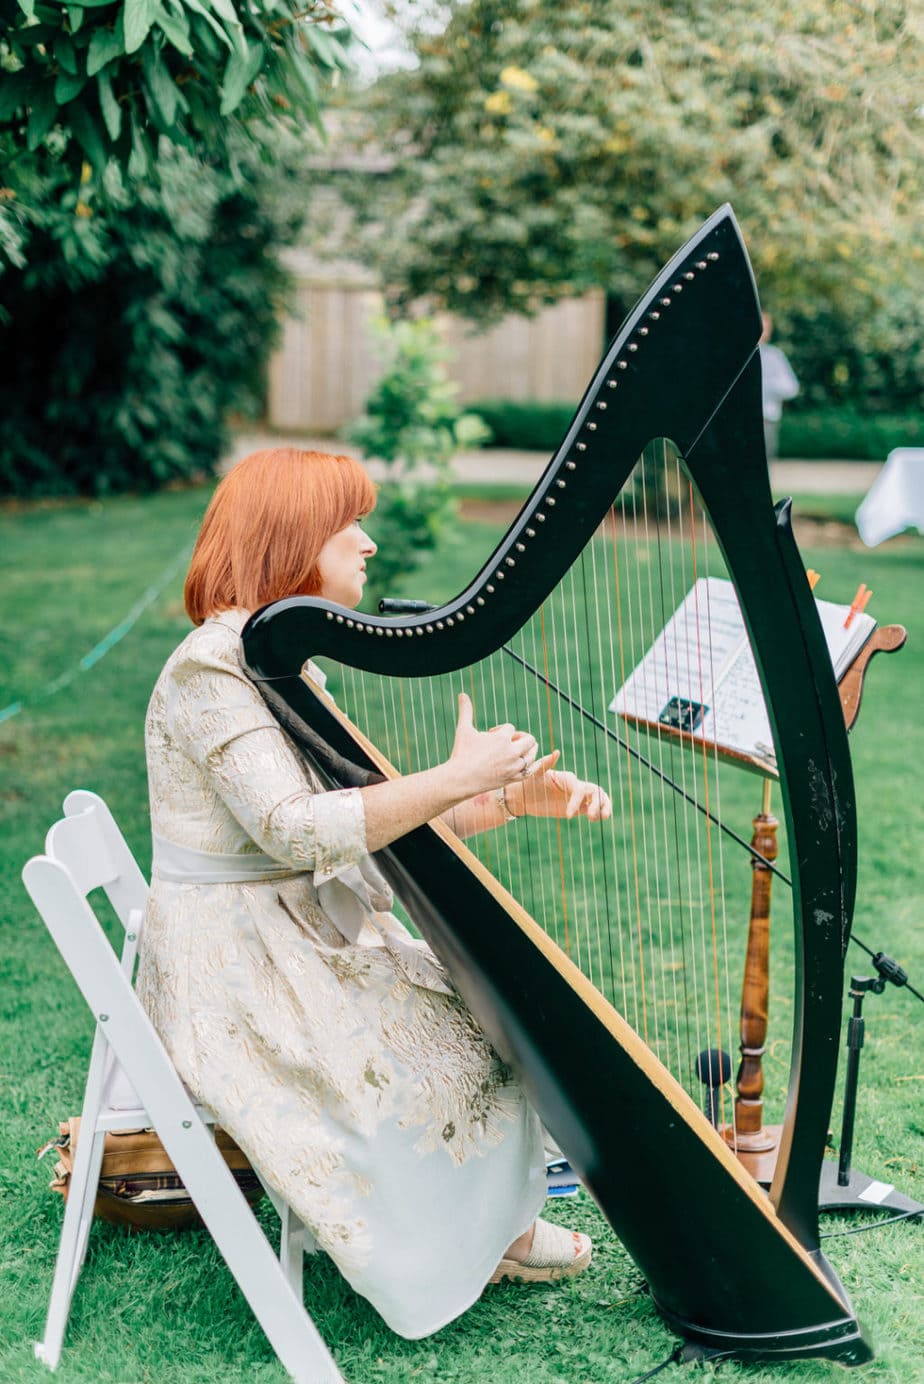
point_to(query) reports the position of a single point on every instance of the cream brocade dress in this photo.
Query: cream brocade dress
(298, 1009)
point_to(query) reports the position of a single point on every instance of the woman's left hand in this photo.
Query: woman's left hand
(549, 792)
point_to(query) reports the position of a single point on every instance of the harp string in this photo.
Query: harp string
(673, 847)
(718, 856)
(686, 825)
(640, 902)
(655, 612)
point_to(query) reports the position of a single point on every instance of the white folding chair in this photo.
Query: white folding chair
(132, 1083)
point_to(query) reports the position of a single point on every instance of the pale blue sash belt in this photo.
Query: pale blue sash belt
(357, 894)
(183, 865)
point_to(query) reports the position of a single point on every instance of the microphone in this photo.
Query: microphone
(713, 1067)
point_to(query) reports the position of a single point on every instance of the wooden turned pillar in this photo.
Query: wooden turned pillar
(755, 1143)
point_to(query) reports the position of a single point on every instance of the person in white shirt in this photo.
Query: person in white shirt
(779, 384)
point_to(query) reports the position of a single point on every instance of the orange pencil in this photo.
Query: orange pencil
(855, 605)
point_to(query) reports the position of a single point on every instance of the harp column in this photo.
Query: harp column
(755, 1143)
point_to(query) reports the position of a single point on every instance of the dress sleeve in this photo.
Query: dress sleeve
(217, 717)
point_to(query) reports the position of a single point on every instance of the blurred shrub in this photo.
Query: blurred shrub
(413, 423)
(120, 372)
(838, 431)
(531, 426)
(845, 434)
(872, 361)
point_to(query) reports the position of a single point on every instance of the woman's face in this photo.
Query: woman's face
(342, 565)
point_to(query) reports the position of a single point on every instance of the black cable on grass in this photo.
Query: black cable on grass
(876, 1225)
(674, 1358)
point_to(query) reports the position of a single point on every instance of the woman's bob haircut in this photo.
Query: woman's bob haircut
(265, 526)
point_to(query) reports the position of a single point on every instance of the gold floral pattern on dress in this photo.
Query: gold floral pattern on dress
(371, 1103)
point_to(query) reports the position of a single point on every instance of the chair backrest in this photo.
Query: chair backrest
(89, 844)
(85, 850)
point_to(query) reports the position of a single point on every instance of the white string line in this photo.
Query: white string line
(585, 769)
(669, 807)
(636, 969)
(570, 759)
(657, 794)
(614, 761)
(646, 785)
(108, 641)
(549, 721)
(719, 851)
(591, 834)
(569, 742)
(504, 846)
(598, 554)
(534, 867)
(694, 679)
(682, 679)
(698, 928)
(541, 729)
(709, 961)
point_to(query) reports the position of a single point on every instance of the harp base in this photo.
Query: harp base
(861, 1193)
(840, 1340)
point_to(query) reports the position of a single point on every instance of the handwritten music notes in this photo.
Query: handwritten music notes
(699, 680)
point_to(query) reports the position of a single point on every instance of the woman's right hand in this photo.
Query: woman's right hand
(486, 759)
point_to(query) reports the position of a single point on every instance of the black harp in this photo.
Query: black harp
(732, 1269)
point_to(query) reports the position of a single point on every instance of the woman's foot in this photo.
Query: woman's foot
(543, 1254)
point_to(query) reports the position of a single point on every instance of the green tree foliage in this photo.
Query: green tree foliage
(114, 76)
(147, 186)
(414, 425)
(544, 146)
(121, 368)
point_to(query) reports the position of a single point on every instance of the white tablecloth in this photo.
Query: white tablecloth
(896, 498)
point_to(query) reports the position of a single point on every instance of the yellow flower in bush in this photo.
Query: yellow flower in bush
(515, 79)
(498, 103)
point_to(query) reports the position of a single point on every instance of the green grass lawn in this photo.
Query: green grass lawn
(163, 1308)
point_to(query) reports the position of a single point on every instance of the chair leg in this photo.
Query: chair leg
(295, 1240)
(75, 1233)
(276, 1305)
(292, 1237)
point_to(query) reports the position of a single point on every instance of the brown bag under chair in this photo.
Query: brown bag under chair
(138, 1185)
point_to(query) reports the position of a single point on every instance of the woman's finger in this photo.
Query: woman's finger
(525, 746)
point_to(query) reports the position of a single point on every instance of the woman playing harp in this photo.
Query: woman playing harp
(325, 1039)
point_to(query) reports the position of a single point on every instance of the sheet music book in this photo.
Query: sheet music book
(712, 695)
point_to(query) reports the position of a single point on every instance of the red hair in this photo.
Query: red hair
(266, 525)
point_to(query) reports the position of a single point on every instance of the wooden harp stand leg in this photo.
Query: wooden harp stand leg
(755, 1143)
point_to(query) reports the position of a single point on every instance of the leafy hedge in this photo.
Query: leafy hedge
(847, 435)
(839, 432)
(120, 376)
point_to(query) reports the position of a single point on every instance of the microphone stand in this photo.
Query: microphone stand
(841, 1187)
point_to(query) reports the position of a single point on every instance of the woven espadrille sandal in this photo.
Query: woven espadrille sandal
(555, 1253)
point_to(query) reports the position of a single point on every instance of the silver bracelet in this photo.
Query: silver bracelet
(500, 797)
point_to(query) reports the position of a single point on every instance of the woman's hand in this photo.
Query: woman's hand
(486, 759)
(550, 792)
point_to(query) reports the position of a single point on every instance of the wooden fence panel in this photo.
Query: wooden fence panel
(329, 359)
